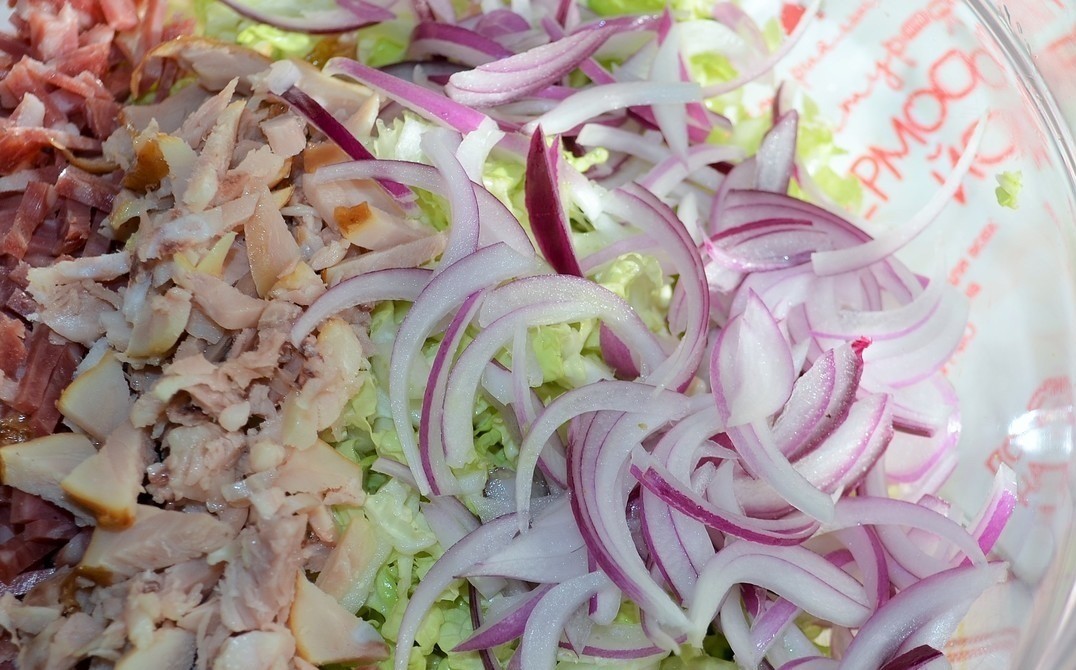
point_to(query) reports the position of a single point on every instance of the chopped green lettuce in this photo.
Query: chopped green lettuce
(217, 20)
(1009, 186)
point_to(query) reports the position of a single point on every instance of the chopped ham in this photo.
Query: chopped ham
(168, 649)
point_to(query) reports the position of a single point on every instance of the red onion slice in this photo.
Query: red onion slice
(797, 574)
(521, 74)
(377, 286)
(508, 624)
(751, 370)
(538, 646)
(351, 15)
(595, 101)
(439, 298)
(454, 42)
(953, 590)
(777, 155)
(477, 545)
(544, 207)
(422, 101)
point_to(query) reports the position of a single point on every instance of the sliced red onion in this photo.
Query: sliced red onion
(854, 258)
(617, 355)
(590, 301)
(620, 642)
(882, 512)
(820, 400)
(521, 74)
(777, 154)
(770, 244)
(766, 65)
(667, 67)
(500, 22)
(351, 15)
(553, 569)
(476, 546)
(394, 469)
(507, 624)
(751, 370)
(694, 164)
(538, 646)
(439, 298)
(544, 208)
(666, 540)
(787, 531)
(463, 234)
(955, 589)
(422, 101)
(987, 527)
(604, 395)
(377, 286)
(919, 658)
(430, 445)
(796, 573)
(835, 465)
(595, 101)
(501, 384)
(598, 481)
(637, 206)
(317, 115)
(455, 43)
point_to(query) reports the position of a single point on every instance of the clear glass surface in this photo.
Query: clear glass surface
(905, 83)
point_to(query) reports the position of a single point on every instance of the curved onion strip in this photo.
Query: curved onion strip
(777, 154)
(919, 658)
(438, 299)
(874, 511)
(987, 527)
(599, 484)
(498, 224)
(694, 165)
(542, 199)
(455, 43)
(521, 74)
(820, 400)
(621, 396)
(855, 258)
(811, 663)
(620, 641)
(424, 102)
(313, 112)
(751, 370)
(377, 286)
(507, 625)
(768, 64)
(591, 102)
(457, 429)
(552, 460)
(560, 289)
(788, 531)
(538, 646)
(835, 465)
(644, 211)
(430, 445)
(463, 234)
(796, 573)
(553, 570)
(357, 15)
(955, 589)
(476, 546)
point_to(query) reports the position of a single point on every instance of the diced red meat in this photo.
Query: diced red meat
(89, 189)
(12, 345)
(42, 357)
(32, 210)
(44, 418)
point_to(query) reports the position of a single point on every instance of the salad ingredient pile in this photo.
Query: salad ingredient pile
(464, 335)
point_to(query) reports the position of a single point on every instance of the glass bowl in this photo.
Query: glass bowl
(905, 83)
